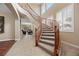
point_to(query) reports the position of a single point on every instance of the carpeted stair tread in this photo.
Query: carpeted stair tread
(48, 37)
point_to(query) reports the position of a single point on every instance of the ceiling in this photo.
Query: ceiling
(54, 9)
(33, 5)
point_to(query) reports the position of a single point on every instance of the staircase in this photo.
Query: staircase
(47, 39)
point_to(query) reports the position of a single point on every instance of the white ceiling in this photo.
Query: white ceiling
(4, 8)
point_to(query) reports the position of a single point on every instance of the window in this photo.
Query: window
(43, 8)
(65, 17)
(46, 6)
(49, 5)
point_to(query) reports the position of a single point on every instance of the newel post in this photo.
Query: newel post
(55, 48)
(36, 38)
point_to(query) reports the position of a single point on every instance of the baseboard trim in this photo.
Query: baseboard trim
(7, 39)
(70, 44)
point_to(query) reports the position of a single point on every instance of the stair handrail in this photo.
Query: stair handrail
(38, 29)
(32, 10)
(33, 14)
(57, 39)
(38, 32)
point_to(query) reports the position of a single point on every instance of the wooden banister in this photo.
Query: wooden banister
(57, 41)
(38, 19)
(55, 28)
(38, 32)
(32, 10)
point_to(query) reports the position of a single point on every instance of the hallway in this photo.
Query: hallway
(26, 47)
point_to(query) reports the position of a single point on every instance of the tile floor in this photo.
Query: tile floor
(26, 47)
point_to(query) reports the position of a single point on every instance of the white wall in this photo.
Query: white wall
(9, 24)
(9, 28)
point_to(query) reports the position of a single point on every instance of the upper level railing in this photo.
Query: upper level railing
(29, 9)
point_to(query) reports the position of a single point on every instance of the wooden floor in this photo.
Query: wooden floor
(5, 46)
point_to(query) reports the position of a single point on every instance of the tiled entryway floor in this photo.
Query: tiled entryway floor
(26, 47)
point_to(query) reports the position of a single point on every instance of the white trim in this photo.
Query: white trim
(70, 44)
(7, 39)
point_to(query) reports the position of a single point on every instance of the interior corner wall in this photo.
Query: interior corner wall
(17, 29)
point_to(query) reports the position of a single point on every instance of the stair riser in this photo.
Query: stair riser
(46, 28)
(47, 35)
(48, 43)
(48, 32)
(46, 38)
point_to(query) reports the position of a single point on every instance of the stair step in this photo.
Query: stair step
(46, 28)
(48, 34)
(47, 37)
(47, 48)
(52, 42)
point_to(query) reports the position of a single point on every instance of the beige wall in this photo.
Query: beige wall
(71, 37)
